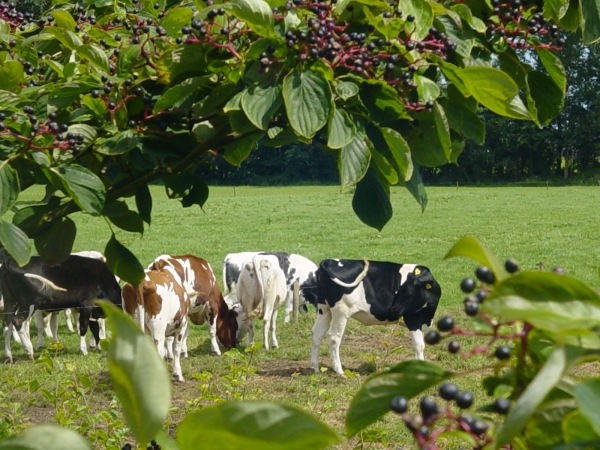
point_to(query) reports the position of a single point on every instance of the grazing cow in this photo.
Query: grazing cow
(161, 304)
(207, 303)
(261, 289)
(77, 282)
(373, 293)
(296, 268)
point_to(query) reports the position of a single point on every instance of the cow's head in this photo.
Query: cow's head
(419, 289)
(243, 321)
(227, 328)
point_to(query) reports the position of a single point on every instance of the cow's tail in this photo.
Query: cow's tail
(139, 301)
(46, 283)
(224, 274)
(358, 279)
(264, 287)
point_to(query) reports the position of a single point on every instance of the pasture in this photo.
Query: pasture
(559, 226)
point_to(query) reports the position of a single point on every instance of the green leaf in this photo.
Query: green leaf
(423, 13)
(427, 89)
(138, 374)
(9, 187)
(587, 394)
(130, 221)
(464, 120)
(66, 94)
(64, 20)
(175, 19)
(407, 379)
(346, 89)
(382, 102)
(353, 160)
(554, 67)
(96, 105)
(197, 195)
(590, 20)
(384, 167)
(88, 132)
(11, 75)
(127, 58)
(118, 144)
(522, 409)
(143, 202)
(471, 248)
(546, 95)
(178, 94)
(307, 98)
(430, 142)
(46, 437)
(495, 90)
(256, 13)
(94, 55)
(555, 9)
(15, 242)
(340, 129)
(548, 301)
(400, 152)
(54, 243)
(260, 102)
(371, 201)
(245, 425)
(416, 187)
(577, 428)
(238, 151)
(122, 262)
(291, 20)
(83, 186)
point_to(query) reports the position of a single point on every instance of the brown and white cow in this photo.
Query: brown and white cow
(160, 304)
(207, 303)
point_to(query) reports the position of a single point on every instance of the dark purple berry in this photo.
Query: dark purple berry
(399, 405)
(464, 399)
(479, 427)
(428, 406)
(471, 308)
(485, 275)
(432, 337)
(501, 405)
(410, 18)
(445, 323)
(448, 391)
(467, 285)
(502, 352)
(511, 265)
(453, 347)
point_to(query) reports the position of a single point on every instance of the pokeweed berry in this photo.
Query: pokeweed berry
(448, 391)
(502, 352)
(467, 285)
(485, 275)
(464, 399)
(479, 427)
(511, 265)
(432, 337)
(501, 405)
(471, 308)
(446, 323)
(399, 405)
(428, 407)
(453, 347)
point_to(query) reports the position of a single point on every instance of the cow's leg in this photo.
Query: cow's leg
(54, 326)
(47, 318)
(288, 306)
(68, 315)
(212, 332)
(184, 350)
(250, 337)
(23, 329)
(177, 344)
(336, 333)
(84, 324)
(274, 329)
(40, 325)
(8, 329)
(418, 341)
(169, 347)
(418, 324)
(318, 331)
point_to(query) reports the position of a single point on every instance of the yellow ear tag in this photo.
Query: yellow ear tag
(427, 286)
(417, 272)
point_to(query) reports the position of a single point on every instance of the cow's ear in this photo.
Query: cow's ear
(248, 267)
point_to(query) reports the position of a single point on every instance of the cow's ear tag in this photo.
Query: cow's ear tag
(427, 286)
(417, 272)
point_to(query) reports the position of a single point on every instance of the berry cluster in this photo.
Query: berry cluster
(16, 19)
(435, 419)
(515, 21)
(475, 296)
(153, 446)
(68, 141)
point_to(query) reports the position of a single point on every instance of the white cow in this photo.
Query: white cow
(261, 289)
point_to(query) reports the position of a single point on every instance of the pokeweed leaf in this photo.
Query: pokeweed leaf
(122, 262)
(15, 242)
(256, 13)
(471, 248)
(371, 200)
(143, 201)
(54, 244)
(340, 129)
(9, 188)
(260, 102)
(83, 186)
(139, 375)
(46, 437)
(243, 425)
(522, 409)
(353, 160)
(407, 379)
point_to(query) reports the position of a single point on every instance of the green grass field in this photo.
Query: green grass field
(559, 226)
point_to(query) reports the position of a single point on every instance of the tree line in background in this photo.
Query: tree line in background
(567, 149)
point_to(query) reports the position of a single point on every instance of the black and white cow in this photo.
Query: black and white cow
(373, 293)
(77, 282)
(296, 268)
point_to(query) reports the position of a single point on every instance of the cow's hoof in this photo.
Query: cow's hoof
(178, 379)
(184, 355)
(30, 357)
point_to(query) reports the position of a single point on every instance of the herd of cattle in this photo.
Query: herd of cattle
(179, 289)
